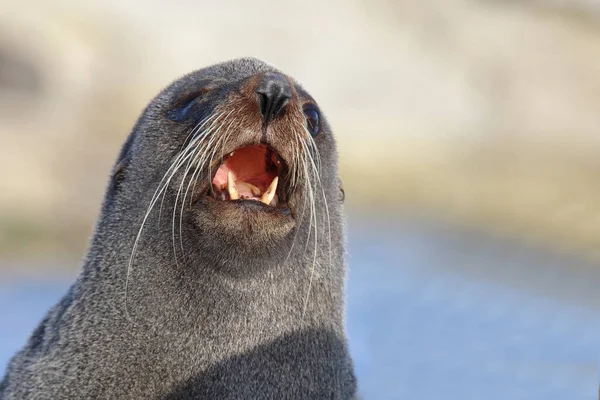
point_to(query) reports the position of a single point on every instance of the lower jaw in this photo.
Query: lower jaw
(250, 205)
(242, 230)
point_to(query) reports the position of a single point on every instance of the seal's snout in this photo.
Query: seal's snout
(274, 92)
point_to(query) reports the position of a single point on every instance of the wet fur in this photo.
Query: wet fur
(238, 306)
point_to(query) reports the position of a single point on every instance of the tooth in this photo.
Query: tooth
(231, 154)
(269, 194)
(233, 192)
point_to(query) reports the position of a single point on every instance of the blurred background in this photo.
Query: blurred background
(469, 133)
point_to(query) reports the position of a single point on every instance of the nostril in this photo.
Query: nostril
(274, 92)
(263, 100)
(278, 107)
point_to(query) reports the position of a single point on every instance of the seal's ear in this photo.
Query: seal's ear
(118, 174)
(342, 192)
(120, 169)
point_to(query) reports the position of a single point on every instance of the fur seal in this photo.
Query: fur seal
(216, 269)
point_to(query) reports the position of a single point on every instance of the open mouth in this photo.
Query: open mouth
(251, 173)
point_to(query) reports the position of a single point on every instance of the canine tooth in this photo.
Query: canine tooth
(231, 154)
(233, 192)
(268, 195)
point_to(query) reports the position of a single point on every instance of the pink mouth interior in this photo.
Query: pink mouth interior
(254, 165)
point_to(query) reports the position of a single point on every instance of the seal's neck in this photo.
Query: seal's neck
(162, 280)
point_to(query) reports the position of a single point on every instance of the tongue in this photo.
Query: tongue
(248, 164)
(244, 190)
(247, 190)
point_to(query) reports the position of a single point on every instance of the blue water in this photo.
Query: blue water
(435, 313)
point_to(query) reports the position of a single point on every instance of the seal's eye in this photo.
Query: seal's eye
(180, 114)
(180, 111)
(312, 121)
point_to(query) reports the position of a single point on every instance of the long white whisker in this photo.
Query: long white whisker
(191, 162)
(315, 170)
(196, 138)
(295, 166)
(161, 189)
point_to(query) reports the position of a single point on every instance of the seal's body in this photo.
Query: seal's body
(216, 268)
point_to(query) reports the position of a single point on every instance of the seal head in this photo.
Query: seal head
(216, 269)
(247, 147)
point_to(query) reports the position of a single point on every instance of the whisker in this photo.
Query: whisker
(212, 138)
(177, 162)
(309, 149)
(200, 162)
(194, 143)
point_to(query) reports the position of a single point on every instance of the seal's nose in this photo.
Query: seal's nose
(274, 92)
